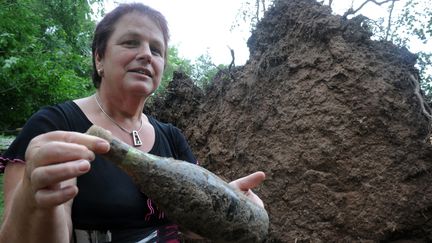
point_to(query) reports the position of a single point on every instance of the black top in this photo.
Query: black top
(107, 198)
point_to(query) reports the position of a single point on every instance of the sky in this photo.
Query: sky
(203, 26)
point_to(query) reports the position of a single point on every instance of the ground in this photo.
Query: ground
(334, 120)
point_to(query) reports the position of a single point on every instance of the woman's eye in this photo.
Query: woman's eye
(131, 43)
(156, 51)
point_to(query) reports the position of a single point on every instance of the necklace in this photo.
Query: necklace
(135, 133)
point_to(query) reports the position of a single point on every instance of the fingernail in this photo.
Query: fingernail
(103, 145)
(70, 191)
(83, 165)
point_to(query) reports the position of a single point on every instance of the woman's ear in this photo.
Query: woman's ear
(99, 65)
(98, 61)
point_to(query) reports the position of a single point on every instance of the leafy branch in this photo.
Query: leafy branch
(389, 19)
(351, 11)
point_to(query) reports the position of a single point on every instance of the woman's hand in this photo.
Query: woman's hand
(56, 157)
(38, 194)
(245, 184)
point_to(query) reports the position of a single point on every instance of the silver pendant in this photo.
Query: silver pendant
(136, 139)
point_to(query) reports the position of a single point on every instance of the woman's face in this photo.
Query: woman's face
(134, 56)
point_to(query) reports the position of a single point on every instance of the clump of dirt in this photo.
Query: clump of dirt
(332, 117)
(179, 103)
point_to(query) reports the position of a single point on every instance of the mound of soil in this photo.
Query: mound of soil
(332, 117)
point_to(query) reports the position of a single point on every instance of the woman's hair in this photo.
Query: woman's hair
(105, 28)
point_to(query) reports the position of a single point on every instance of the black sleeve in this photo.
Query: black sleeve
(184, 151)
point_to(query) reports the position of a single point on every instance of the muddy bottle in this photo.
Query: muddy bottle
(193, 197)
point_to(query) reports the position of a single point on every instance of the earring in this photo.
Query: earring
(100, 72)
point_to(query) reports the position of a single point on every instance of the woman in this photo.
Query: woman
(52, 159)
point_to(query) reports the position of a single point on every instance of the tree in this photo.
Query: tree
(414, 24)
(174, 63)
(45, 55)
(250, 12)
(204, 70)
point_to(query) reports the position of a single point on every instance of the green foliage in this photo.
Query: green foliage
(425, 67)
(414, 24)
(45, 55)
(174, 63)
(204, 70)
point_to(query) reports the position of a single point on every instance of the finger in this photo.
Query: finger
(248, 182)
(47, 198)
(254, 198)
(56, 152)
(46, 176)
(93, 143)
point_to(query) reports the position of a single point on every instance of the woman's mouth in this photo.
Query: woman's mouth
(142, 71)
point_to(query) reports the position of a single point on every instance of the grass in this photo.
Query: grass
(1, 196)
(5, 141)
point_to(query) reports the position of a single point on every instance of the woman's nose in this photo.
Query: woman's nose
(144, 54)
